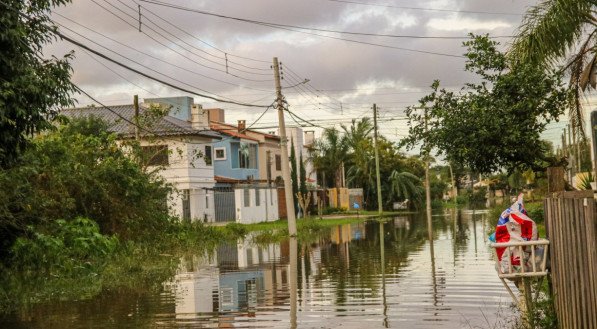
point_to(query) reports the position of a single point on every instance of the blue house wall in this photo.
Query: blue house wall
(225, 168)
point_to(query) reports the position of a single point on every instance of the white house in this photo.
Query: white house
(179, 144)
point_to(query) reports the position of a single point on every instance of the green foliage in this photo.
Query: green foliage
(31, 87)
(585, 181)
(535, 211)
(327, 155)
(294, 176)
(302, 176)
(66, 247)
(81, 171)
(404, 185)
(492, 125)
(236, 229)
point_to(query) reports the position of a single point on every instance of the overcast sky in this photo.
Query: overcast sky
(345, 78)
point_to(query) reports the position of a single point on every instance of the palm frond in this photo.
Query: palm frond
(550, 29)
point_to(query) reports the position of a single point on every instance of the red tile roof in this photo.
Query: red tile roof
(232, 130)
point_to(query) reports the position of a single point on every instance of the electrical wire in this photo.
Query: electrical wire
(149, 55)
(207, 43)
(297, 29)
(165, 137)
(228, 63)
(169, 47)
(149, 76)
(118, 74)
(427, 9)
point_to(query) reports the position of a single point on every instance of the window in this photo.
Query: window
(247, 197)
(247, 156)
(227, 296)
(207, 155)
(186, 204)
(278, 162)
(206, 201)
(220, 153)
(155, 155)
(257, 196)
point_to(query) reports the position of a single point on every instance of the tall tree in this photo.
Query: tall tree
(302, 176)
(561, 31)
(327, 155)
(493, 124)
(294, 175)
(31, 88)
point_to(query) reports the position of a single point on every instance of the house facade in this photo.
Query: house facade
(241, 169)
(178, 143)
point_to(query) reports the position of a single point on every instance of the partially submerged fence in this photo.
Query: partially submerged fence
(571, 223)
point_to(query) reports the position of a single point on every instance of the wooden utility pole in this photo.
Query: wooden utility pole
(136, 118)
(379, 202)
(284, 150)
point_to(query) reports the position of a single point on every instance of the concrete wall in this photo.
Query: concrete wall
(266, 211)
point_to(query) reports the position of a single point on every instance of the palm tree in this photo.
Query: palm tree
(404, 185)
(328, 154)
(561, 31)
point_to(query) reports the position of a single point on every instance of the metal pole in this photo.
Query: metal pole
(284, 152)
(379, 202)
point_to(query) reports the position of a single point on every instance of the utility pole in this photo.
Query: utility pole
(428, 188)
(136, 119)
(284, 150)
(379, 204)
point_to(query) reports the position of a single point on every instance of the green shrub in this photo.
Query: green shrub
(236, 230)
(64, 247)
(333, 210)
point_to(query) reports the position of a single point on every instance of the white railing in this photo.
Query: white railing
(529, 266)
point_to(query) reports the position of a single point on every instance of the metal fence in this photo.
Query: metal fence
(571, 228)
(224, 204)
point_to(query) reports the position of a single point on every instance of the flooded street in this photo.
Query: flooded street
(365, 275)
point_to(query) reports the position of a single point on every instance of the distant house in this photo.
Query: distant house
(180, 144)
(303, 141)
(241, 165)
(268, 159)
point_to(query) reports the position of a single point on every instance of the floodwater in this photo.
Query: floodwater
(366, 275)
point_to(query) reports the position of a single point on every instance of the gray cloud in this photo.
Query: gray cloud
(329, 64)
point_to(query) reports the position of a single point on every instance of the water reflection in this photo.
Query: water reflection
(397, 273)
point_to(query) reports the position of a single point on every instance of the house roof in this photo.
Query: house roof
(232, 130)
(121, 122)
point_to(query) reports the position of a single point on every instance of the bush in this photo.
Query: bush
(81, 171)
(63, 247)
(333, 210)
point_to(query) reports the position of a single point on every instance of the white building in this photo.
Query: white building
(178, 145)
(302, 141)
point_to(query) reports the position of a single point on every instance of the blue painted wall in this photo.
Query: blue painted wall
(180, 107)
(226, 168)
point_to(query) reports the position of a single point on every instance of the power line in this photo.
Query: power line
(228, 63)
(151, 77)
(427, 9)
(169, 47)
(205, 42)
(299, 29)
(146, 54)
(165, 137)
(118, 74)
